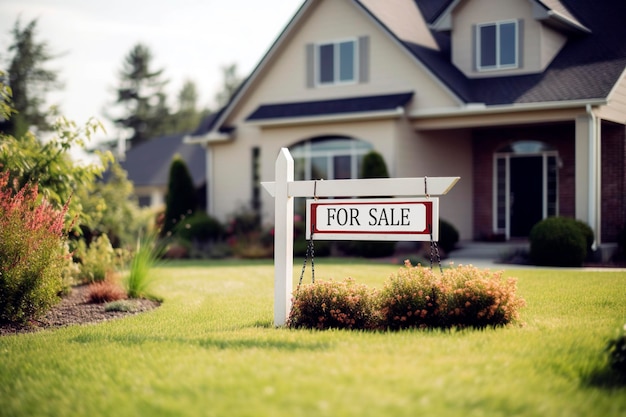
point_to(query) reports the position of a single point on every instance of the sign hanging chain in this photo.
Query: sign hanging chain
(434, 247)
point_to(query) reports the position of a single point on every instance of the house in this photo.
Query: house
(148, 166)
(525, 100)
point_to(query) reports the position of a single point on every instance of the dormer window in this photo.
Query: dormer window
(497, 45)
(336, 62)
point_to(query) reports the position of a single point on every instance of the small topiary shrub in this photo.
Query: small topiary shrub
(33, 254)
(448, 236)
(105, 292)
(181, 195)
(417, 297)
(558, 241)
(332, 305)
(616, 349)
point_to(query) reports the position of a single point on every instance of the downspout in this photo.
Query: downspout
(592, 201)
(210, 209)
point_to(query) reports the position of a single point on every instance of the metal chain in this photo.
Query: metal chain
(434, 249)
(310, 251)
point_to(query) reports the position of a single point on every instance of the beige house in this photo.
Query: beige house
(525, 100)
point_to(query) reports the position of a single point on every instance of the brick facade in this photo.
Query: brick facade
(613, 182)
(486, 142)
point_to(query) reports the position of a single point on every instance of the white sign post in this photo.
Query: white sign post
(378, 219)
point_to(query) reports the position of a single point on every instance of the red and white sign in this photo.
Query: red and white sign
(373, 219)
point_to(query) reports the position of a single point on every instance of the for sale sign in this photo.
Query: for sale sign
(373, 219)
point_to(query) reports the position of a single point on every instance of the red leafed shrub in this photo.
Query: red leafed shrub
(105, 292)
(32, 252)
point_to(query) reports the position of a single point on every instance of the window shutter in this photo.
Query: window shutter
(364, 59)
(310, 65)
(520, 43)
(474, 48)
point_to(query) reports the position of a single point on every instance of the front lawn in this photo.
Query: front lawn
(211, 350)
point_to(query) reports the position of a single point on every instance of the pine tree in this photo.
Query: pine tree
(29, 81)
(140, 93)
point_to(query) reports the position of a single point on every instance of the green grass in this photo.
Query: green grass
(211, 350)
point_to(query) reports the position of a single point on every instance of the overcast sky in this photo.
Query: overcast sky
(189, 39)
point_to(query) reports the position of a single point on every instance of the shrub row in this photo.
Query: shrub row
(414, 297)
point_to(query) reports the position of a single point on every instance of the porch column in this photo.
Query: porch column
(587, 171)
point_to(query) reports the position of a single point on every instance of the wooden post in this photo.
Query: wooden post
(283, 238)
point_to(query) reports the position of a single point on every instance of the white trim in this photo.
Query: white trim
(481, 108)
(330, 118)
(478, 51)
(212, 137)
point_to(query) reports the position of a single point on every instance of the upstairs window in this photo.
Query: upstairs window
(497, 45)
(336, 62)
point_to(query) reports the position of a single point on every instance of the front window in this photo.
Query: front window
(337, 62)
(329, 158)
(497, 45)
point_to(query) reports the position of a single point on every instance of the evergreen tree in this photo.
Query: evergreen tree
(140, 93)
(29, 80)
(181, 195)
(188, 117)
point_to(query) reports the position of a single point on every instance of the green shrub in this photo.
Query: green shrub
(33, 254)
(96, 261)
(417, 297)
(332, 305)
(448, 236)
(558, 241)
(199, 227)
(616, 349)
(127, 306)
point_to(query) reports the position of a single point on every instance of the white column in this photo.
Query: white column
(283, 238)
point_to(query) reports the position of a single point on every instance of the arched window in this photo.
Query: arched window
(329, 157)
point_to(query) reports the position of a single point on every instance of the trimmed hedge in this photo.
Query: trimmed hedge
(560, 241)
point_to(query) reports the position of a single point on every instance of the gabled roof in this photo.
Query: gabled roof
(587, 68)
(148, 164)
(328, 107)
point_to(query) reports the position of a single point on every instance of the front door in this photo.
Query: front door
(525, 186)
(526, 200)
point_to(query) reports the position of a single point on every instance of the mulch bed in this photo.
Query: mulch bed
(73, 309)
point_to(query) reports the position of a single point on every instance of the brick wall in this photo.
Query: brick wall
(613, 185)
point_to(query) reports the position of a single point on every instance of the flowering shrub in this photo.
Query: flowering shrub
(331, 304)
(616, 348)
(464, 296)
(479, 298)
(33, 255)
(412, 298)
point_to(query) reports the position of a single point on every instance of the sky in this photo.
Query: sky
(189, 40)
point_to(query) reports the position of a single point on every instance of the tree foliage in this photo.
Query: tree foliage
(230, 83)
(29, 80)
(141, 96)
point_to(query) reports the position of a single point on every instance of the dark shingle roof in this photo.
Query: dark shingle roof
(148, 164)
(327, 107)
(586, 68)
